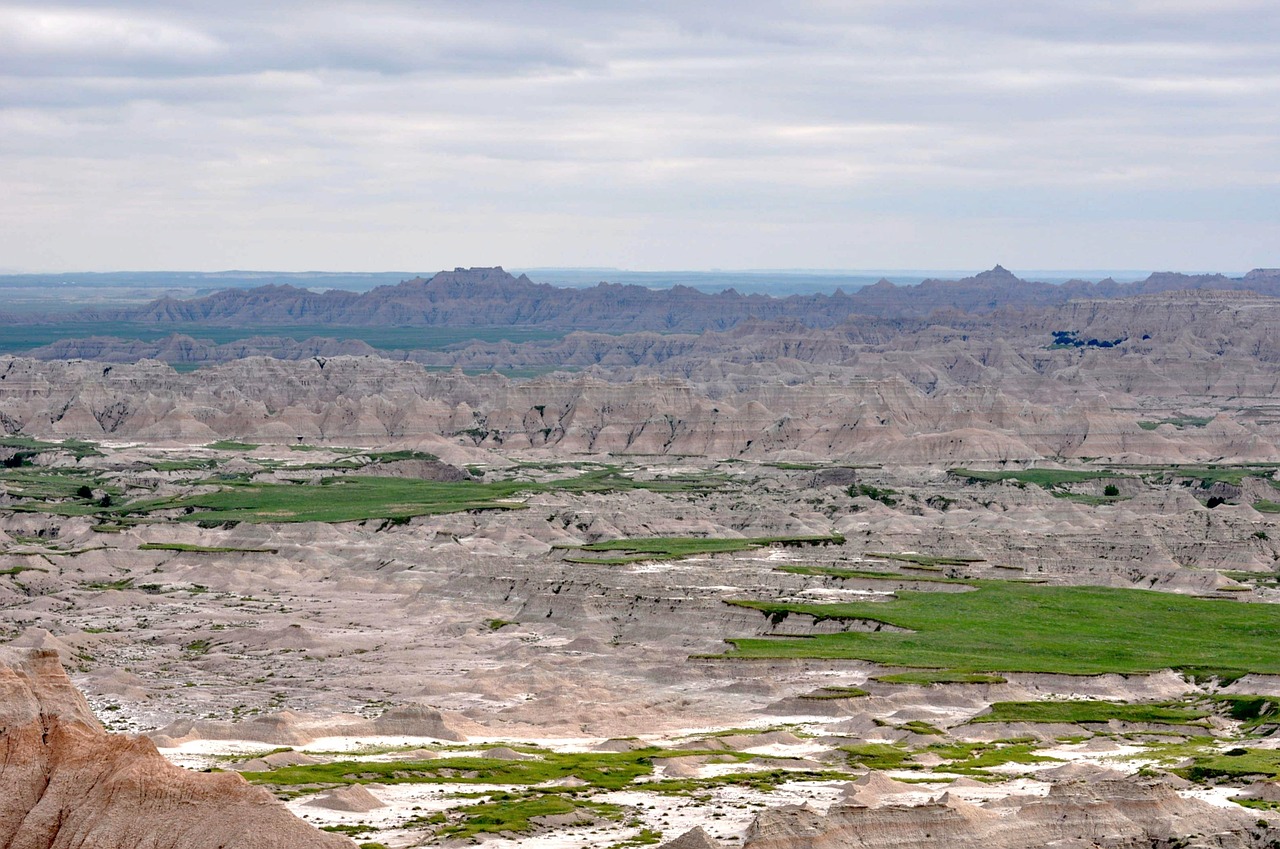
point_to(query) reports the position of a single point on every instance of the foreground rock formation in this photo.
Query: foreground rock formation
(66, 784)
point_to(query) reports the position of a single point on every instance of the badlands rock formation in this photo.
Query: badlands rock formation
(438, 651)
(992, 404)
(1122, 814)
(66, 784)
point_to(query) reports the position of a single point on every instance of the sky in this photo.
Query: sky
(644, 135)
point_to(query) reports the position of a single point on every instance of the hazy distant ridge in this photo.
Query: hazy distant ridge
(490, 297)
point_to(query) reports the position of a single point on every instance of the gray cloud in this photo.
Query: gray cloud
(417, 135)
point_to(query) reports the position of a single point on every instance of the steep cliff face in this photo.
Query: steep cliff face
(1120, 814)
(67, 784)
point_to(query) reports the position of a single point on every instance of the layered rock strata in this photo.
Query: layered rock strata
(1126, 813)
(67, 784)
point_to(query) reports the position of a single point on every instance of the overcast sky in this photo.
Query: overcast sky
(645, 135)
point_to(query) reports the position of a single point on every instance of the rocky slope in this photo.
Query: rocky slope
(1121, 814)
(1166, 350)
(66, 784)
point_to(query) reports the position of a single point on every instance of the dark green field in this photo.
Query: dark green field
(353, 499)
(1088, 710)
(1018, 627)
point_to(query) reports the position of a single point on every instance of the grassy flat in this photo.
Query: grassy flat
(353, 499)
(602, 770)
(1089, 710)
(1018, 627)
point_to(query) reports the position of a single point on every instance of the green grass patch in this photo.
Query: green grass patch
(359, 498)
(834, 693)
(506, 813)
(57, 491)
(1233, 763)
(1046, 478)
(209, 549)
(232, 445)
(78, 448)
(761, 780)
(122, 584)
(925, 677)
(880, 756)
(1179, 422)
(977, 758)
(1208, 475)
(602, 770)
(884, 496)
(1078, 711)
(1267, 506)
(926, 561)
(14, 571)
(1008, 626)
(645, 837)
(1252, 711)
(919, 726)
(675, 548)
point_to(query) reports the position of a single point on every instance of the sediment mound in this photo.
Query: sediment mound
(354, 799)
(694, 838)
(67, 784)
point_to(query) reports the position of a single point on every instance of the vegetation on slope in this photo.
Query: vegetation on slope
(1090, 710)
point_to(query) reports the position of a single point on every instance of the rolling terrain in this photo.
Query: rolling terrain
(963, 562)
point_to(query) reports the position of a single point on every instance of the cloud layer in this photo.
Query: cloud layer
(658, 135)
